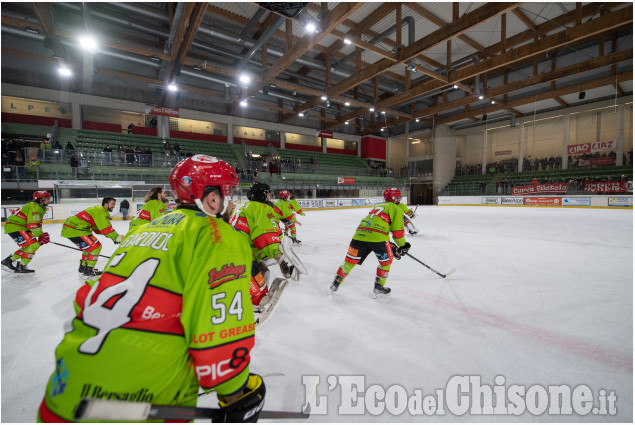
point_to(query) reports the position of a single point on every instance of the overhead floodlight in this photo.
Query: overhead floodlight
(383, 112)
(310, 27)
(347, 41)
(480, 97)
(244, 78)
(88, 43)
(371, 109)
(243, 103)
(172, 87)
(155, 58)
(32, 30)
(64, 71)
(417, 120)
(346, 122)
(301, 114)
(347, 103)
(197, 68)
(493, 102)
(383, 128)
(323, 97)
(456, 87)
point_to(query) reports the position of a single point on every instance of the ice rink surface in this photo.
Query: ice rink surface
(541, 297)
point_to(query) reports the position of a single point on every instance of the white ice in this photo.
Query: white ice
(540, 296)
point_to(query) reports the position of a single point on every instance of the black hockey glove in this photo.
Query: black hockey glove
(247, 408)
(286, 269)
(396, 251)
(404, 249)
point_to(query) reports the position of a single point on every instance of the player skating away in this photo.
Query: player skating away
(170, 312)
(79, 227)
(154, 207)
(295, 207)
(257, 220)
(284, 213)
(25, 228)
(372, 235)
(407, 219)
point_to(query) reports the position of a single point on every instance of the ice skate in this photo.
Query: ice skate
(82, 267)
(7, 264)
(296, 241)
(21, 268)
(380, 291)
(91, 271)
(336, 284)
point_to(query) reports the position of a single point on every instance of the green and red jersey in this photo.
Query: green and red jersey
(382, 220)
(293, 203)
(94, 219)
(150, 210)
(171, 312)
(405, 209)
(259, 223)
(28, 218)
(283, 210)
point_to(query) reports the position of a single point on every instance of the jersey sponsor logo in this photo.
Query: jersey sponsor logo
(225, 274)
(186, 181)
(59, 379)
(96, 391)
(223, 334)
(215, 365)
(169, 219)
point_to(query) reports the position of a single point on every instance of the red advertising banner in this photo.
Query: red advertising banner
(592, 147)
(535, 189)
(327, 134)
(544, 201)
(346, 180)
(596, 161)
(612, 186)
(162, 110)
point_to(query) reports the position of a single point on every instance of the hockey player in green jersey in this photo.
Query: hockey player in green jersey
(79, 227)
(407, 220)
(170, 313)
(284, 213)
(372, 235)
(154, 207)
(257, 221)
(295, 207)
(25, 228)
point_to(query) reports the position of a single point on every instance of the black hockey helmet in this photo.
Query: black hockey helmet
(258, 192)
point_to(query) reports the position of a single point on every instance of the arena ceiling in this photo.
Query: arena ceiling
(417, 64)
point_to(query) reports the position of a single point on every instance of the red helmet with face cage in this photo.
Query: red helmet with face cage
(41, 194)
(190, 177)
(392, 194)
(284, 194)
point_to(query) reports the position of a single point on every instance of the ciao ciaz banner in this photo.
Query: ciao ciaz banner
(592, 147)
(535, 189)
(611, 186)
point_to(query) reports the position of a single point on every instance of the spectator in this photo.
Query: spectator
(123, 208)
(19, 165)
(270, 168)
(45, 146)
(83, 163)
(74, 165)
(7, 166)
(130, 127)
(108, 148)
(189, 154)
(153, 122)
(534, 181)
(69, 146)
(34, 166)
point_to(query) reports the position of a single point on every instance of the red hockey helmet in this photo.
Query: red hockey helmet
(41, 194)
(392, 194)
(284, 194)
(190, 177)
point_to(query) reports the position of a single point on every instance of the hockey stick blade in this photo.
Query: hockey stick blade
(115, 410)
(450, 272)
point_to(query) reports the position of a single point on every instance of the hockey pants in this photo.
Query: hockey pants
(27, 243)
(90, 247)
(357, 253)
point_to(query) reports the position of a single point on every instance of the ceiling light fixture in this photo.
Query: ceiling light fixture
(323, 97)
(244, 78)
(383, 128)
(347, 103)
(371, 109)
(155, 58)
(197, 68)
(417, 120)
(243, 103)
(493, 102)
(64, 71)
(383, 112)
(88, 43)
(456, 87)
(310, 27)
(32, 30)
(347, 41)
(346, 122)
(172, 87)
(301, 114)
(480, 97)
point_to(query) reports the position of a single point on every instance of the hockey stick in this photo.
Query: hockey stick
(115, 410)
(424, 264)
(76, 249)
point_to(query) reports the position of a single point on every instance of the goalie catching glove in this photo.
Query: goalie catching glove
(399, 251)
(286, 268)
(247, 408)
